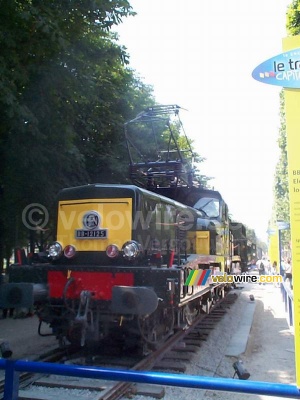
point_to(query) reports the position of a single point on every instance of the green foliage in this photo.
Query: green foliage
(293, 18)
(63, 84)
(281, 189)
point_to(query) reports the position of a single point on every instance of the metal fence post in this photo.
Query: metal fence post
(291, 312)
(11, 386)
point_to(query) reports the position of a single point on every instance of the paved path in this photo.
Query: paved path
(267, 351)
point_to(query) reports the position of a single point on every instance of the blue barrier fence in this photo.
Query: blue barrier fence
(13, 368)
(288, 299)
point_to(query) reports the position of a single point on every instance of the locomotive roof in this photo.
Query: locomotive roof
(238, 230)
(97, 190)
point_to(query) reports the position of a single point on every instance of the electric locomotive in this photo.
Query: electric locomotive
(124, 255)
(120, 262)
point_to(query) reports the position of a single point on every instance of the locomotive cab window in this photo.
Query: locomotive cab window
(210, 207)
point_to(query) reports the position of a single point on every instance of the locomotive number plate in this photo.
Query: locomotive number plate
(91, 234)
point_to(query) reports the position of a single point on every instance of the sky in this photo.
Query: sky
(200, 54)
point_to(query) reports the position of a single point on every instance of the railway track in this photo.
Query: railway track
(170, 356)
(53, 356)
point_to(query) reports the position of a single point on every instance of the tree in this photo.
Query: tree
(281, 188)
(46, 90)
(293, 18)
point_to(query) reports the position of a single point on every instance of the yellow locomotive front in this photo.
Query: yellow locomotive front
(89, 229)
(115, 224)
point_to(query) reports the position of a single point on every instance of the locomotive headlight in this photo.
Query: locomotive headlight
(131, 250)
(55, 250)
(69, 251)
(112, 251)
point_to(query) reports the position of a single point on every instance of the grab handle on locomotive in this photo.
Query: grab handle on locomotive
(171, 283)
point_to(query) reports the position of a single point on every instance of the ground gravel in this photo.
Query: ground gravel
(269, 354)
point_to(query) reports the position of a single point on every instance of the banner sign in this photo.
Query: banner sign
(281, 70)
(290, 46)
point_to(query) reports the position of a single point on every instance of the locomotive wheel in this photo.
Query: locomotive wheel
(189, 314)
(156, 327)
